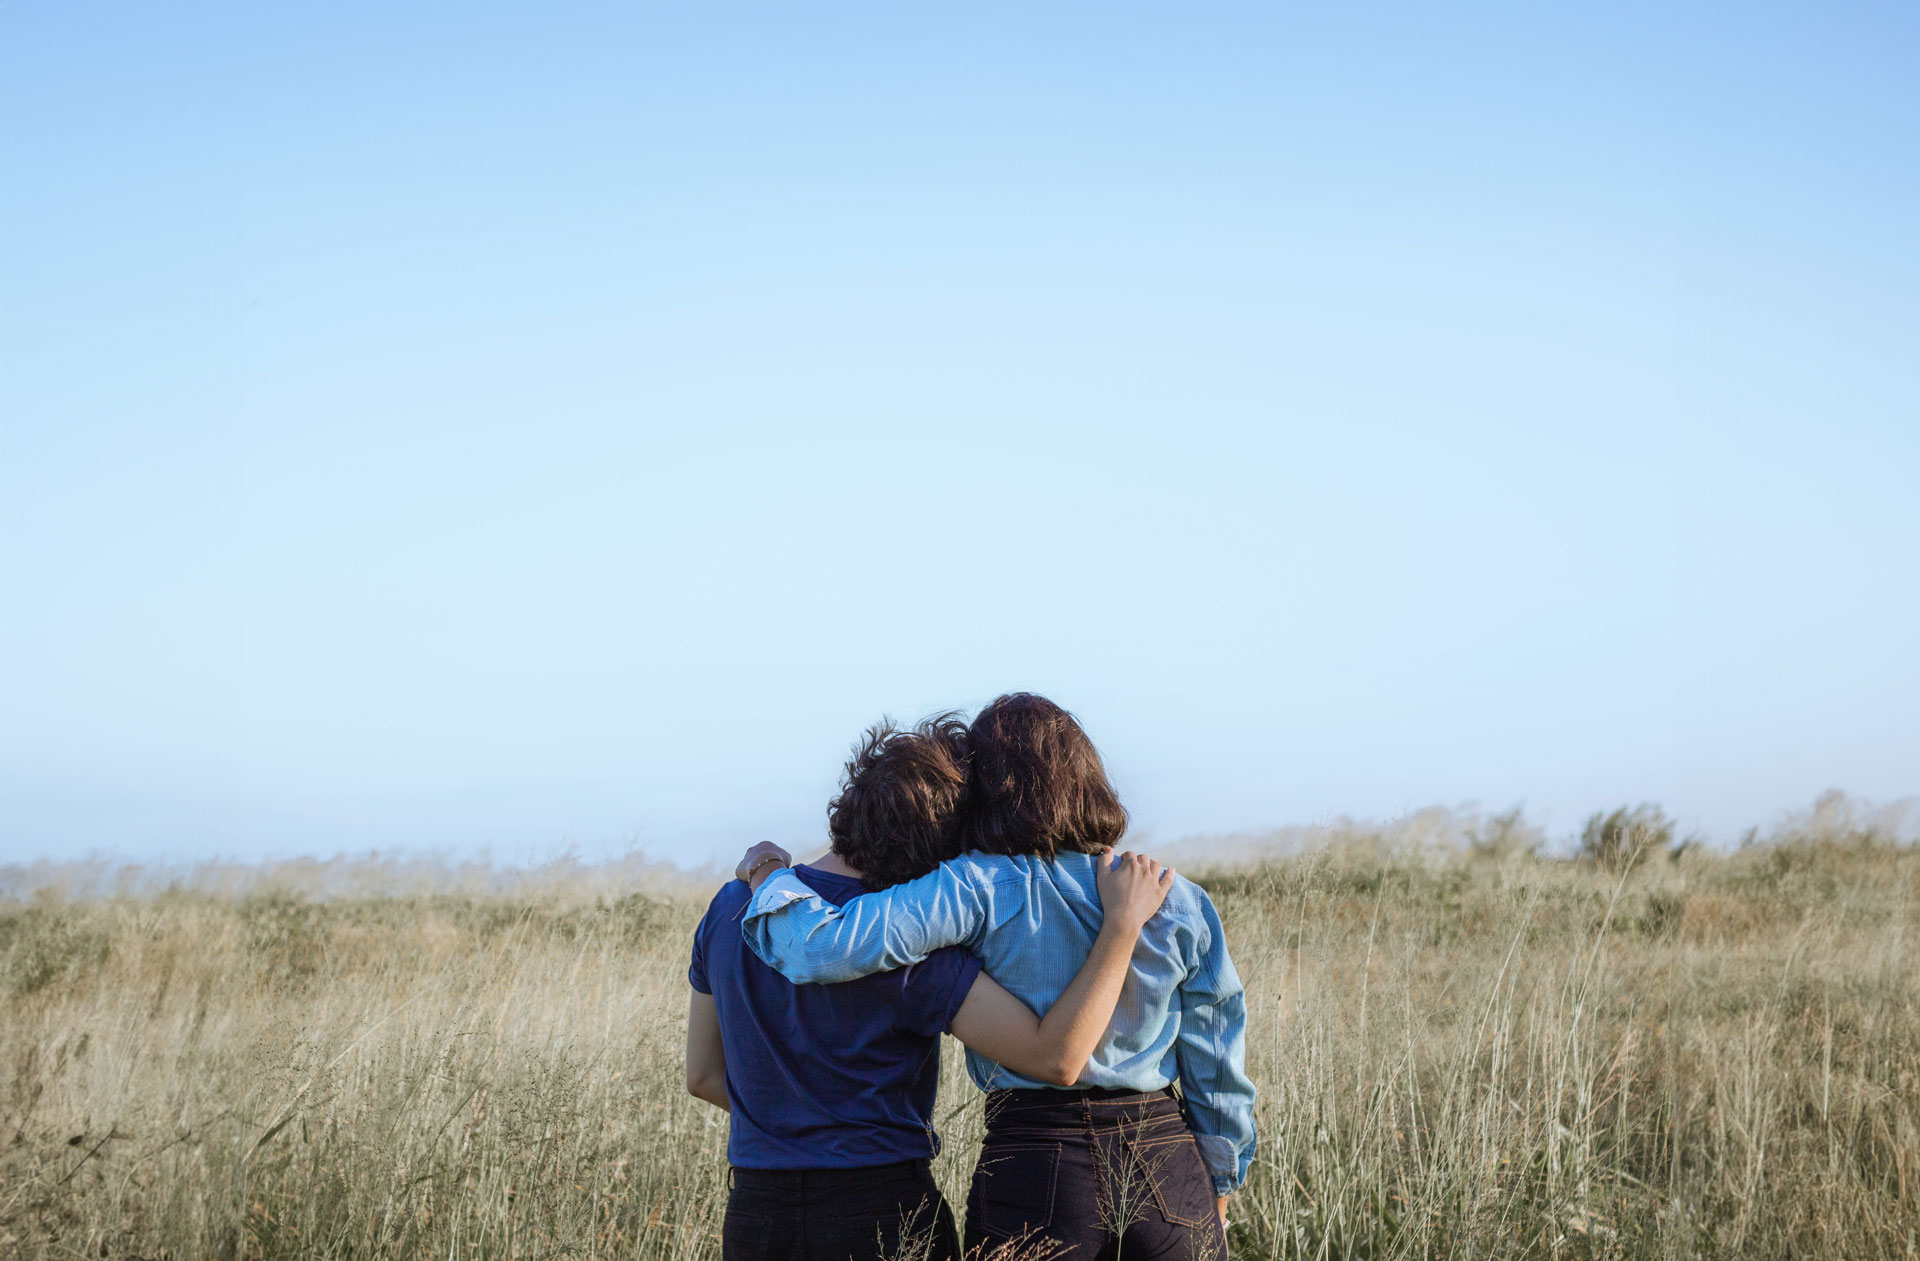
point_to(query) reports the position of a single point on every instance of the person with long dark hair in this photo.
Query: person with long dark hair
(830, 1088)
(1114, 1160)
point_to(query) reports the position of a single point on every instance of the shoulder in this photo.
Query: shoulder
(718, 933)
(1189, 906)
(727, 904)
(1024, 866)
(1186, 893)
(987, 870)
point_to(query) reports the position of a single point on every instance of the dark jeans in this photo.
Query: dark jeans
(1098, 1172)
(886, 1211)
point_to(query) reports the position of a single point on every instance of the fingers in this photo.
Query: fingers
(1139, 867)
(1146, 866)
(1145, 863)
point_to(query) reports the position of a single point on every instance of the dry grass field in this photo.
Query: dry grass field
(1463, 1051)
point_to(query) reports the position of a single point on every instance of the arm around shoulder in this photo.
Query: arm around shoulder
(807, 939)
(1056, 1049)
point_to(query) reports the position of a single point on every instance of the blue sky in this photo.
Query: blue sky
(470, 426)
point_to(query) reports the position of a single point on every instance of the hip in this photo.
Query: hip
(866, 1213)
(1095, 1110)
(1084, 1169)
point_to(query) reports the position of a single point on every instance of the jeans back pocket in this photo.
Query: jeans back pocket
(1182, 1188)
(1013, 1188)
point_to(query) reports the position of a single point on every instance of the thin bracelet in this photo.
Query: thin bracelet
(763, 861)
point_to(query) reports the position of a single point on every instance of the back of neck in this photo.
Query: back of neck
(833, 864)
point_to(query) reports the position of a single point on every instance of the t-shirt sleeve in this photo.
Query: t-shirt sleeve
(933, 989)
(697, 970)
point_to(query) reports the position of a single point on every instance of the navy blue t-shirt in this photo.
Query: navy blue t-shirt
(826, 1076)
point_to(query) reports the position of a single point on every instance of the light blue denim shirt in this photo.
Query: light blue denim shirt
(1032, 921)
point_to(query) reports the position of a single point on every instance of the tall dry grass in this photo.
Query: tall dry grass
(1463, 1051)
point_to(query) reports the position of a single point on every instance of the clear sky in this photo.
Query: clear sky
(462, 425)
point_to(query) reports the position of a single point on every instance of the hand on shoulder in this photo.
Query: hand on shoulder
(760, 862)
(1132, 887)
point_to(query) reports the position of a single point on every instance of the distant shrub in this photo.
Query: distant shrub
(1658, 916)
(1837, 838)
(1611, 841)
(1505, 838)
(636, 917)
(1835, 823)
(285, 935)
(42, 944)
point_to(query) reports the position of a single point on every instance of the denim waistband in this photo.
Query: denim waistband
(1092, 1105)
(826, 1179)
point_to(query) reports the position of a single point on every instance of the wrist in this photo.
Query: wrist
(765, 866)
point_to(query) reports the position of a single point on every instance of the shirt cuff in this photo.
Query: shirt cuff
(776, 891)
(1219, 1153)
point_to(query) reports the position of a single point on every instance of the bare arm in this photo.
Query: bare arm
(706, 1057)
(1056, 1049)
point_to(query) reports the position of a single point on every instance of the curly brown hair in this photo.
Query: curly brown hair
(898, 812)
(1037, 784)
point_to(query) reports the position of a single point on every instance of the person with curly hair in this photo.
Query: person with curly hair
(1114, 1160)
(830, 1088)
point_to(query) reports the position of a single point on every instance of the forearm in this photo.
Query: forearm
(1074, 1025)
(1211, 1051)
(1223, 1127)
(812, 941)
(1001, 1027)
(1055, 1049)
(1211, 1055)
(711, 1090)
(807, 939)
(706, 1052)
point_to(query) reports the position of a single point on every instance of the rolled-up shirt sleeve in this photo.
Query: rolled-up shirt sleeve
(806, 938)
(1211, 1051)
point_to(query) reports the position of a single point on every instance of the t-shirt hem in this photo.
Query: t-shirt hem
(868, 1161)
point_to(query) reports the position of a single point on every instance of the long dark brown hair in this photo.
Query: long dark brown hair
(1036, 783)
(899, 809)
